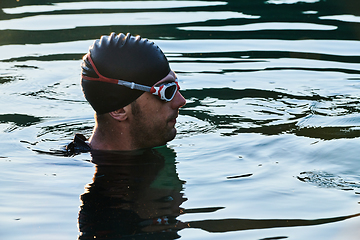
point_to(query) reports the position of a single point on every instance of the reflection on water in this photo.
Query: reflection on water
(133, 194)
(70, 21)
(120, 5)
(264, 26)
(267, 140)
(137, 195)
(285, 113)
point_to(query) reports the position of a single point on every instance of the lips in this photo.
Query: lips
(173, 119)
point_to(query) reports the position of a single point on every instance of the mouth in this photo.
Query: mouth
(173, 119)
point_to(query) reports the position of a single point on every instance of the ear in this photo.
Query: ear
(119, 115)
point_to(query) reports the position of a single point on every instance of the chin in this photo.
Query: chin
(170, 136)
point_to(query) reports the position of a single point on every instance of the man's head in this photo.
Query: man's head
(120, 57)
(128, 82)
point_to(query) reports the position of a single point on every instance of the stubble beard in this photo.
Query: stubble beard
(145, 133)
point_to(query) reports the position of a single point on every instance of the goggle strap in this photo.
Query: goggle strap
(154, 90)
(102, 78)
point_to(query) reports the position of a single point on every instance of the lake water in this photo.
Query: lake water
(267, 145)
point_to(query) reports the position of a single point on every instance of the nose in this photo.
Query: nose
(178, 101)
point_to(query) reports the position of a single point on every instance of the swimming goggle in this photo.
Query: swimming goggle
(164, 91)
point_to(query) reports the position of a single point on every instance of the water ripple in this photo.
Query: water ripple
(110, 5)
(327, 180)
(70, 21)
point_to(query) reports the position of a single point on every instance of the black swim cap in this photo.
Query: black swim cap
(127, 58)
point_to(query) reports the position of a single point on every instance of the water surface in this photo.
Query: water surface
(267, 145)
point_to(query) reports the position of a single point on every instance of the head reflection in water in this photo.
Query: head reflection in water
(134, 195)
(137, 195)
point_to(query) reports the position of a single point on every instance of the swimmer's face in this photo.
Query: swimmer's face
(153, 120)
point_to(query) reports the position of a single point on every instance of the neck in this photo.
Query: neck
(112, 135)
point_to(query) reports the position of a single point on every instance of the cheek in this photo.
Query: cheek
(154, 110)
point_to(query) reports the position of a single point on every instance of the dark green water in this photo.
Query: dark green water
(267, 145)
